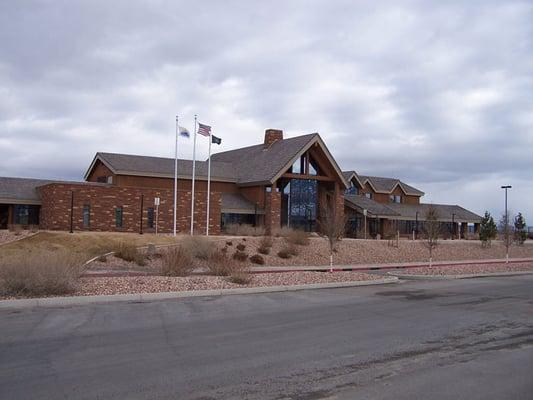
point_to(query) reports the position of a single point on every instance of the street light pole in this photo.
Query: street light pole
(453, 226)
(506, 232)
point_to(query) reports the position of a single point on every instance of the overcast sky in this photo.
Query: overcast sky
(438, 94)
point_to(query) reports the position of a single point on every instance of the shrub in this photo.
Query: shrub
(102, 258)
(244, 230)
(176, 262)
(240, 276)
(284, 253)
(241, 247)
(229, 243)
(240, 256)
(297, 236)
(40, 274)
(281, 232)
(198, 246)
(219, 264)
(264, 245)
(257, 259)
(128, 252)
(263, 250)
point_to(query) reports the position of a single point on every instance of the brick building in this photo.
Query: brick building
(280, 182)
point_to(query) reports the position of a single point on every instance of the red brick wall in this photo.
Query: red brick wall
(56, 198)
(272, 217)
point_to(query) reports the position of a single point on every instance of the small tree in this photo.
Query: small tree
(506, 234)
(487, 230)
(520, 233)
(431, 230)
(331, 223)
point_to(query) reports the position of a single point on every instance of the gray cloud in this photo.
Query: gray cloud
(438, 94)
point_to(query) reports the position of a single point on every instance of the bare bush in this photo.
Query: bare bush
(432, 230)
(240, 256)
(281, 232)
(241, 247)
(244, 230)
(265, 244)
(332, 224)
(198, 246)
(257, 259)
(219, 264)
(40, 274)
(177, 261)
(297, 236)
(240, 276)
(128, 252)
(285, 252)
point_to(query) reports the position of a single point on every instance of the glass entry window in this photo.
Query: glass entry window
(299, 204)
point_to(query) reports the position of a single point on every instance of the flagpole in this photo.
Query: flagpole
(176, 175)
(208, 185)
(193, 173)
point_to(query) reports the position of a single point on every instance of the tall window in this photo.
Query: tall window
(299, 204)
(395, 198)
(86, 216)
(118, 216)
(150, 213)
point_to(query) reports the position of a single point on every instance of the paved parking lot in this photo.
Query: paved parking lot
(467, 339)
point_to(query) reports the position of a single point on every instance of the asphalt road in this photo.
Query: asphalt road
(465, 339)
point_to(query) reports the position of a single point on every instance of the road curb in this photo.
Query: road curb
(461, 276)
(142, 297)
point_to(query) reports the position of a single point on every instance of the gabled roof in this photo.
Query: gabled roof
(387, 185)
(361, 203)
(349, 175)
(160, 167)
(264, 165)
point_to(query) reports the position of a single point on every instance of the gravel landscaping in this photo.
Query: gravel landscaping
(350, 251)
(467, 269)
(156, 284)
(10, 236)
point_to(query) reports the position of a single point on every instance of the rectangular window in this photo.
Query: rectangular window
(150, 214)
(101, 179)
(118, 217)
(395, 198)
(368, 195)
(352, 189)
(86, 216)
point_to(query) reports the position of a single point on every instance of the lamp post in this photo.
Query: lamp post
(416, 225)
(506, 232)
(453, 226)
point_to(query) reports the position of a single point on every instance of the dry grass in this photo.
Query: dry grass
(265, 244)
(198, 246)
(240, 256)
(240, 276)
(298, 237)
(176, 261)
(219, 264)
(244, 230)
(257, 259)
(40, 274)
(128, 252)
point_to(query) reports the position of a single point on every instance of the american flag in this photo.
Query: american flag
(204, 130)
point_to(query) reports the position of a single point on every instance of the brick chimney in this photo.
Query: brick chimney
(272, 135)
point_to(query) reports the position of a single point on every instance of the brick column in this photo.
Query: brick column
(272, 210)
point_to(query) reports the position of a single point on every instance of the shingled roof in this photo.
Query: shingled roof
(262, 165)
(20, 190)
(387, 185)
(237, 204)
(361, 203)
(444, 211)
(128, 164)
